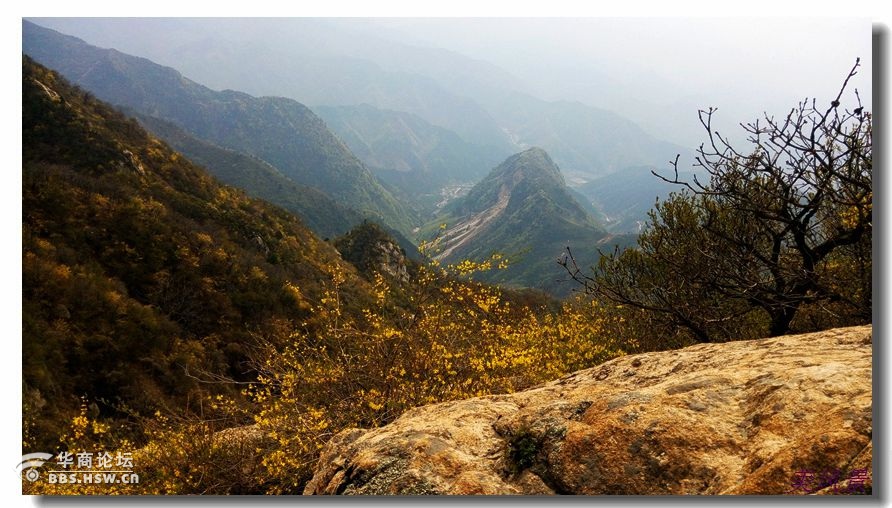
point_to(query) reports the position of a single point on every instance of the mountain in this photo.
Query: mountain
(141, 274)
(322, 214)
(315, 61)
(586, 142)
(524, 211)
(623, 199)
(372, 251)
(407, 151)
(280, 131)
(348, 62)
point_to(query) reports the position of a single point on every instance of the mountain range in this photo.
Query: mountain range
(338, 63)
(406, 151)
(621, 201)
(335, 166)
(280, 131)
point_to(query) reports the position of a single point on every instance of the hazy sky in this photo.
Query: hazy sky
(648, 68)
(691, 52)
(656, 71)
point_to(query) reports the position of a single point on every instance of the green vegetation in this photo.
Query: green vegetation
(623, 200)
(322, 214)
(524, 211)
(371, 250)
(523, 450)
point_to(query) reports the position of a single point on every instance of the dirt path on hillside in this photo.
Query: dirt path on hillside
(460, 234)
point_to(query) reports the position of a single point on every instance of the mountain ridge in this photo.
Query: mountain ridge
(476, 99)
(524, 211)
(307, 64)
(320, 213)
(404, 149)
(280, 131)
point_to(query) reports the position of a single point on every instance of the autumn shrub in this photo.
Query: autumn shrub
(209, 453)
(448, 338)
(442, 337)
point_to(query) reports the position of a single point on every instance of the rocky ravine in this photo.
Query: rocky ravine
(747, 417)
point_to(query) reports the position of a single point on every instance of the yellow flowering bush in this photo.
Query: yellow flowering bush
(441, 338)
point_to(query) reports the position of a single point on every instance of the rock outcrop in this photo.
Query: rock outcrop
(783, 415)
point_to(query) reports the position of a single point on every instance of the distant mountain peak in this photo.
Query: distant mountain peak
(523, 210)
(534, 152)
(534, 164)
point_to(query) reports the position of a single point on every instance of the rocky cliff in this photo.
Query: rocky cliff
(789, 414)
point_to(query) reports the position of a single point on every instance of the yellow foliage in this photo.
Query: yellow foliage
(853, 215)
(453, 340)
(62, 272)
(441, 338)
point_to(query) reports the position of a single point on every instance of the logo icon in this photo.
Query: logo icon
(30, 463)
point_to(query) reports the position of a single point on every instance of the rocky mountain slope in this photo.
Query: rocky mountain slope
(792, 414)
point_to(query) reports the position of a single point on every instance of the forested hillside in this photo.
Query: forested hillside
(322, 214)
(140, 271)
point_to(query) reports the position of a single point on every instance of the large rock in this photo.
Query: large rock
(749, 417)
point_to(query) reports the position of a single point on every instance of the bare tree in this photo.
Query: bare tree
(768, 229)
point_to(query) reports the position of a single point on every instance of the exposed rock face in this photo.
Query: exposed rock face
(392, 260)
(372, 250)
(749, 417)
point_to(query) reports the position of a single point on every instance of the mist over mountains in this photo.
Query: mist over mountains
(401, 130)
(326, 62)
(344, 120)
(283, 132)
(407, 151)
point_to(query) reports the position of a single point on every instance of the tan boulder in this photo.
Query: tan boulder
(789, 414)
